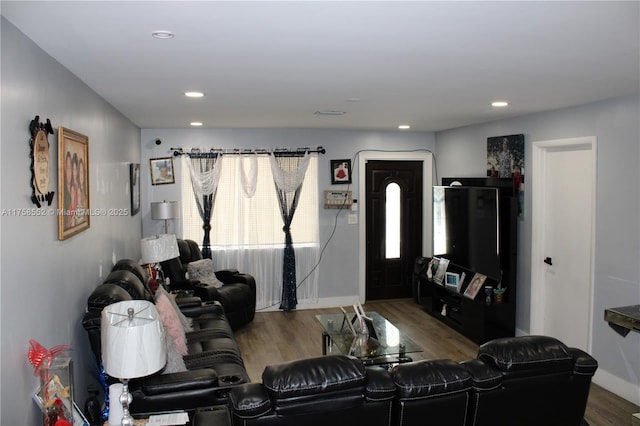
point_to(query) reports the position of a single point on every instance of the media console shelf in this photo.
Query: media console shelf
(475, 319)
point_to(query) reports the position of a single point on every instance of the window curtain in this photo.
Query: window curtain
(204, 170)
(246, 228)
(288, 171)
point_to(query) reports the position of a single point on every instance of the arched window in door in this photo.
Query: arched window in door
(392, 221)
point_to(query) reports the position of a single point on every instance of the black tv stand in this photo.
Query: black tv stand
(474, 318)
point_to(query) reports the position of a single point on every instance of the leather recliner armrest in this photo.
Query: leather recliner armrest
(209, 307)
(484, 377)
(188, 302)
(380, 386)
(187, 284)
(227, 275)
(583, 363)
(249, 400)
(180, 382)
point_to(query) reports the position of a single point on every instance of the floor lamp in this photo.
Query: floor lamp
(133, 345)
(165, 210)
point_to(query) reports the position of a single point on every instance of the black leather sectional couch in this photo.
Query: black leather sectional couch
(517, 381)
(214, 363)
(521, 381)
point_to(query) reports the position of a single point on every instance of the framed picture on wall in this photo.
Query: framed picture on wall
(505, 156)
(161, 171)
(73, 183)
(505, 160)
(134, 187)
(340, 171)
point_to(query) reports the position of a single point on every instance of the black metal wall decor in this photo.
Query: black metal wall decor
(40, 161)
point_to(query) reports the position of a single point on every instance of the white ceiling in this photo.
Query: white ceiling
(433, 65)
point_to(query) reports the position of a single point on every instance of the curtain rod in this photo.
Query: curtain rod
(235, 151)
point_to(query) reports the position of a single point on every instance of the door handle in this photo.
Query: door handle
(548, 261)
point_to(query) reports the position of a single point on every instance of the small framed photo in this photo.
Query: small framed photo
(439, 274)
(451, 279)
(475, 285)
(161, 171)
(340, 171)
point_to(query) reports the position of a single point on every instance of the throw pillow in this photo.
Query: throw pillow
(187, 323)
(202, 270)
(171, 322)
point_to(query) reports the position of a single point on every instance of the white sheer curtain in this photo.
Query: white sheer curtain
(246, 223)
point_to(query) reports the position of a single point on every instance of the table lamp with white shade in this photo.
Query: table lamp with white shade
(133, 345)
(157, 249)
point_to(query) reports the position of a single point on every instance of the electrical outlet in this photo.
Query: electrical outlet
(352, 219)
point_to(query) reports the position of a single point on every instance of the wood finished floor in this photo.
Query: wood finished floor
(275, 337)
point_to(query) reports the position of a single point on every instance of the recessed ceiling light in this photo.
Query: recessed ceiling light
(196, 123)
(329, 112)
(404, 127)
(193, 94)
(499, 104)
(162, 34)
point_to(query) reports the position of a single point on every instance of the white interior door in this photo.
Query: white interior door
(563, 234)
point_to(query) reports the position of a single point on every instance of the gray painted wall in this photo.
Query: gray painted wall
(615, 123)
(45, 282)
(338, 272)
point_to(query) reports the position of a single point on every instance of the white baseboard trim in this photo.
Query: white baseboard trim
(325, 302)
(622, 388)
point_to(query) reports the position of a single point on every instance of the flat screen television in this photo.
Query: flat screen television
(466, 227)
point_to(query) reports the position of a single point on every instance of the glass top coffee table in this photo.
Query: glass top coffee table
(391, 346)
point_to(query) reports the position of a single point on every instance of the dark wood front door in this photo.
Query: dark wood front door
(388, 270)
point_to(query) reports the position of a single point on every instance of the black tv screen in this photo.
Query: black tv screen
(466, 227)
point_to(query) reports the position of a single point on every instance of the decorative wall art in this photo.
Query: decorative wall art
(340, 171)
(134, 187)
(73, 183)
(40, 161)
(161, 171)
(505, 160)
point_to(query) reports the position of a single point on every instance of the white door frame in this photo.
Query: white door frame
(427, 183)
(538, 290)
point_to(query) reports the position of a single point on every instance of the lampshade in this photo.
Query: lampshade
(159, 248)
(165, 210)
(133, 340)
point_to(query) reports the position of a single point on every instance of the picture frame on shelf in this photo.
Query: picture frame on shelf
(162, 172)
(73, 183)
(439, 274)
(452, 280)
(475, 285)
(432, 267)
(340, 171)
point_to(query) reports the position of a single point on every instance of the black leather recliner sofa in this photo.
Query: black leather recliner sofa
(515, 381)
(237, 296)
(518, 381)
(329, 390)
(214, 362)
